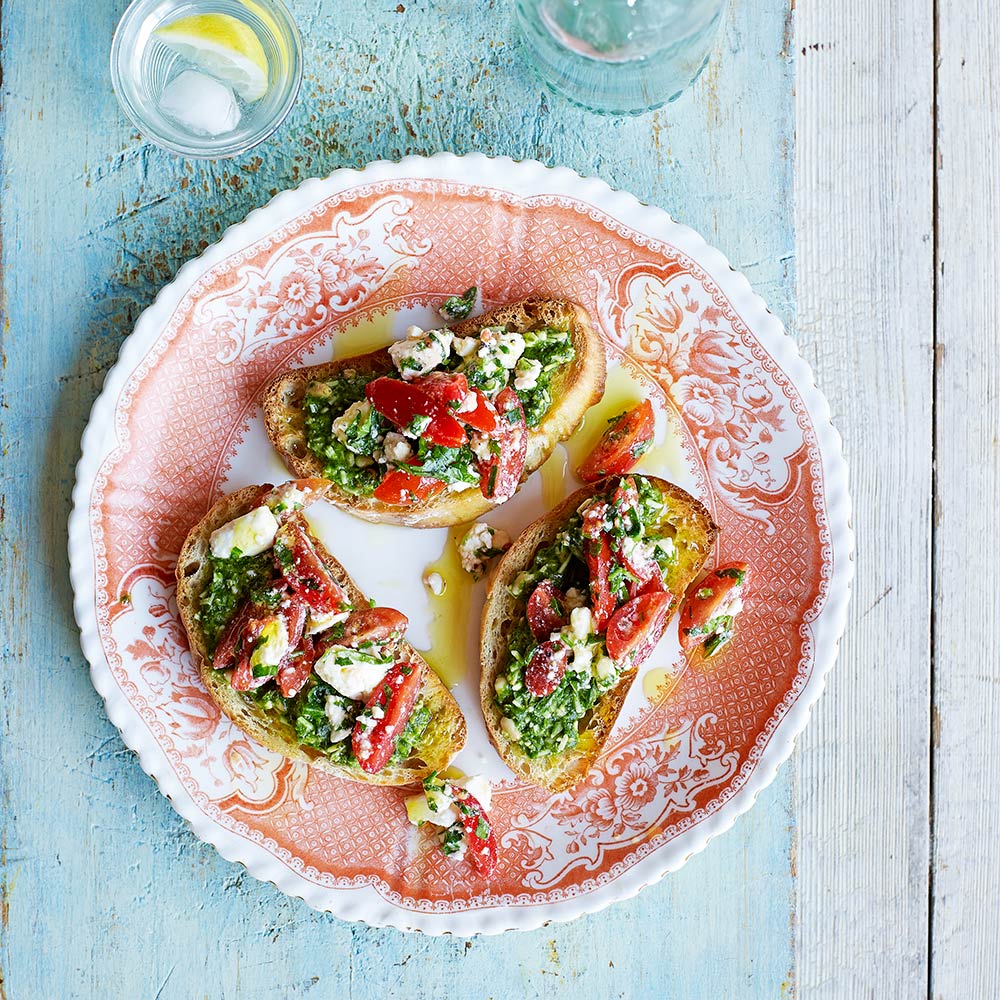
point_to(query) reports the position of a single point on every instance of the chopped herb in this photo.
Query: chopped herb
(459, 306)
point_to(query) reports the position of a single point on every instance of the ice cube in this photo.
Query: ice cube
(200, 103)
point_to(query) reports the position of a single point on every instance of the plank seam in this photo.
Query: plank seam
(932, 617)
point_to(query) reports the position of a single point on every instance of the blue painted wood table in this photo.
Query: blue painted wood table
(106, 893)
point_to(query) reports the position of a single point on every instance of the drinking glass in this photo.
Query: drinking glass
(142, 66)
(619, 56)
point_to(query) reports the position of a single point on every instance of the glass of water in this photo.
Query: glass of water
(619, 56)
(206, 78)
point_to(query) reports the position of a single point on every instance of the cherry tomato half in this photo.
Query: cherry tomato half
(599, 564)
(482, 844)
(637, 626)
(714, 597)
(546, 610)
(401, 401)
(447, 388)
(500, 472)
(372, 625)
(401, 487)
(483, 417)
(304, 571)
(385, 716)
(621, 445)
(546, 667)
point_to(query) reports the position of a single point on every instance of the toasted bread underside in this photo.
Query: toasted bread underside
(445, 734)
(574, 390)
(695, 534)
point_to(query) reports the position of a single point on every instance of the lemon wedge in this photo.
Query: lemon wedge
(222, 46)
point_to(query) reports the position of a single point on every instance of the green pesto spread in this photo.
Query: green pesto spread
(551, 724)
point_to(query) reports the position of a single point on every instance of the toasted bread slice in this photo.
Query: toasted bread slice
(445, 734)
(695, 534)
(574, 390)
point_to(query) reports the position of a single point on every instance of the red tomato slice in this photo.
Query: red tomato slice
(294, 673)
(393, 700)
(599, 565)
(372, 625)
(546, 610)
(478, 833)
(402, 401)
(225, 649)
(637, 626)
(445, 387)
(621, 445)
(500, 473)
(304, 571)
(403, 488)
(546, 667)
(715, 595)
(593, 520)
(483, 417)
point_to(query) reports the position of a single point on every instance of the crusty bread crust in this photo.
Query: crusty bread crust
(445, 734)
(695, 537)
(574, 390)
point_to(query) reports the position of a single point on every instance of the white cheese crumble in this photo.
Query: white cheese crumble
(396, 448)
(337, 717)
(434, 582)
(356, 411)
(320, 621)
(506, 346)
(272, 645)
(418, 356)
(464, 346)
(604, 668)
(344, 670)
(251, 533)
(509, 729)
(479, 545)
(527, 373)
(286, 497)
(579, 623)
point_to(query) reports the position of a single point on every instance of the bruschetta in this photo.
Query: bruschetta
(574, 608)
(444, 425)
(296, 656)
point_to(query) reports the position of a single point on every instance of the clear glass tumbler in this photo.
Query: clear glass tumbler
(619, 56)
(143, 67)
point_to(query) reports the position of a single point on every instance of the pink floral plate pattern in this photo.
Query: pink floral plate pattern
(178, 424)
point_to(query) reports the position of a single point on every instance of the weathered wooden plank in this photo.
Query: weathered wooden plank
(96, 866)
(864, 91)
(966, 788)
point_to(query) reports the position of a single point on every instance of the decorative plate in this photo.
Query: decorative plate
(344, 262)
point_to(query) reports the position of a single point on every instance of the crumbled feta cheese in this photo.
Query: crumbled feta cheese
(434, 582)
(396, 448)
(251, 533)
(579, 623)
(320, 622)
(414, 332)
(419, 356)
(337, 716)
(480, 445)
(272, 645)
(344, 670)
(604, 668)
(503, 346)
(509, 729)
(583, 657)
(468, 404)
(464, 346)
(526, 374)
(459, 487)
(359, 411)
(479, 545)
(286, 497)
